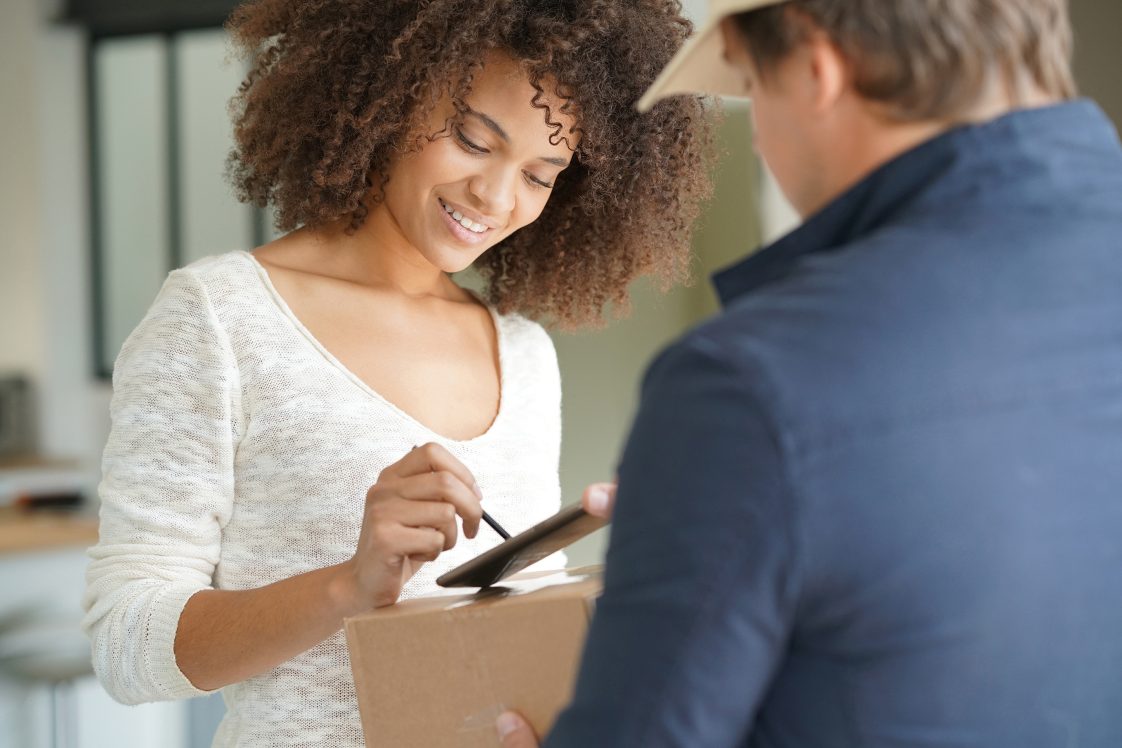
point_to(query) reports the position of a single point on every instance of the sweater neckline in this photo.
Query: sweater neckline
(329, 357)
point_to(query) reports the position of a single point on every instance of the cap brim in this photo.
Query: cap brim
(700, 66)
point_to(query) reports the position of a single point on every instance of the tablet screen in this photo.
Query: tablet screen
(512, 556)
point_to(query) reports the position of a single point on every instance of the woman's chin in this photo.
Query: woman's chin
(450, 261)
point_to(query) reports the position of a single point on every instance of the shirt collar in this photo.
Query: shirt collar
(892, 187)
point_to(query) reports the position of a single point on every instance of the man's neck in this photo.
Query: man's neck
(878, 138)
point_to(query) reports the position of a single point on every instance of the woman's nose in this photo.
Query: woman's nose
(495, 190)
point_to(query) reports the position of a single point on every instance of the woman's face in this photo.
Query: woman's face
(465, 192)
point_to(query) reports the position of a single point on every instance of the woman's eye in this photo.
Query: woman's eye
(535, 182)
(472, 147)
(467, 144)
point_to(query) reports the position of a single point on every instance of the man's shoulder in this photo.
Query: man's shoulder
(840, 337)
(723, 362)
(918, 318)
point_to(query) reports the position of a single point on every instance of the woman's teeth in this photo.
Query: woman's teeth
(460, 218)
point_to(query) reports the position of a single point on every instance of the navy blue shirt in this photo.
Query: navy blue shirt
(878, 500)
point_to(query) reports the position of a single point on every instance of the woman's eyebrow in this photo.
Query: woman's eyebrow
(496, 128)
(491, 124)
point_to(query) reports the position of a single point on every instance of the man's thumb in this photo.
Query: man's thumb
(515, 732)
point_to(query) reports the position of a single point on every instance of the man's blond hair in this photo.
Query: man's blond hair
(927, 59)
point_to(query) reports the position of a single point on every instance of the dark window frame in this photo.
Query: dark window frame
(106, 20)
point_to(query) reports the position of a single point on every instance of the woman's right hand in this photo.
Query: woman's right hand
(409, 519)
(227, 636)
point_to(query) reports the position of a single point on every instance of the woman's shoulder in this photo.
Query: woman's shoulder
(230, 281)
(517, 330)
(528, 349)
(222, 291)
(522, 331)
(187, 313)
(236, 267)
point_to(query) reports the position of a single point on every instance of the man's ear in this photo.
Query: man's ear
(734, 48)
(827, 70)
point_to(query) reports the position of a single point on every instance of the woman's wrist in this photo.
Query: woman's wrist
(343, 591)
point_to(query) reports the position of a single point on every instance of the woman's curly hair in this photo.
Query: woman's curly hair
(338, 88)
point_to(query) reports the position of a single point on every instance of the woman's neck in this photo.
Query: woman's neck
(378, 255)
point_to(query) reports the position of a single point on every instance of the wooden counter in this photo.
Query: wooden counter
(27, 532)
(23, 531)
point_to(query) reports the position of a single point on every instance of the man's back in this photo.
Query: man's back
(917, 541)
(954, 399)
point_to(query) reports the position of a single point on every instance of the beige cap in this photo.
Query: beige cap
(700, 66)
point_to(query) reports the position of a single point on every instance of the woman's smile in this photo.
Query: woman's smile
(462, 226)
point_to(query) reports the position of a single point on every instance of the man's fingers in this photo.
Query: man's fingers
(599, 499)
(515, 732)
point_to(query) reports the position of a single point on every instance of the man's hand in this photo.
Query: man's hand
(599, 499)
(515, 732)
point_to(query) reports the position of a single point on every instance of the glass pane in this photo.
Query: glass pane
(213, 221)
(132, 198)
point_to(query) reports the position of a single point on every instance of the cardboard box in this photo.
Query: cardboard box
(435, 672)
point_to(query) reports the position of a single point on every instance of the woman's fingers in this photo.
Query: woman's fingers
(436, 515)
(421, 543)
(443, 487)
(396, 541)
(432, 473)
(428, 458)
(410, 518)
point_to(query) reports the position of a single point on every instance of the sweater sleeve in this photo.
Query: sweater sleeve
(166, 491)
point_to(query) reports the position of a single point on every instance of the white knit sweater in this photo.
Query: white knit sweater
(240, 454)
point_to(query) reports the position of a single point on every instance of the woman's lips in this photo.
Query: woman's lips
(458, 230)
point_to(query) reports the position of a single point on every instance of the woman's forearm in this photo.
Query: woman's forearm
(227, 636)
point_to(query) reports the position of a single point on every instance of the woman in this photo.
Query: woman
(261, 481)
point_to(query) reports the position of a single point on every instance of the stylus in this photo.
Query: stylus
(495, 526)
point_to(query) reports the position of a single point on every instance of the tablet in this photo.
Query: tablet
(512, 556)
